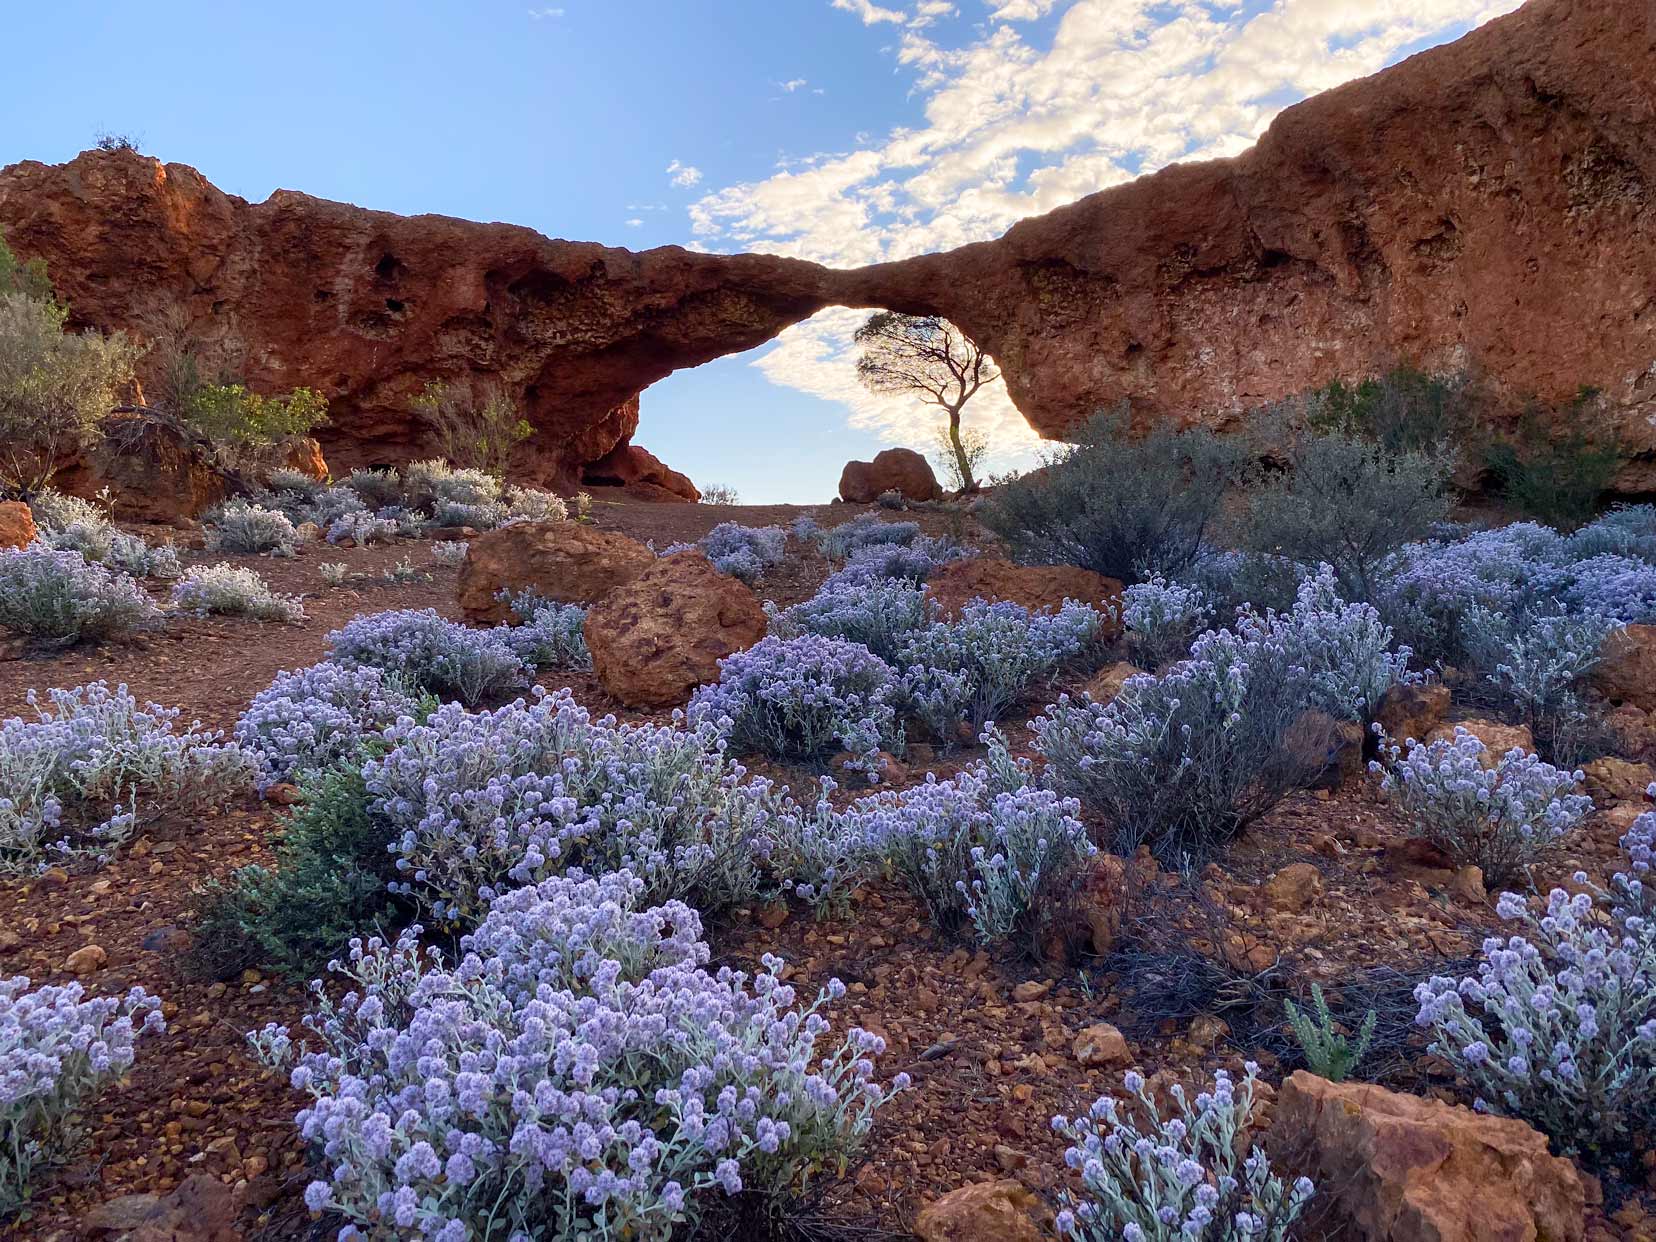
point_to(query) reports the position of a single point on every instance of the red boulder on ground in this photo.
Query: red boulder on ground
(897, 470)
(1040, 588)
(17, 528)
(658, 637)
(568, 562)
(642, 473)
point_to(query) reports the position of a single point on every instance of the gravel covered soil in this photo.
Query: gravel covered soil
(990, 1040)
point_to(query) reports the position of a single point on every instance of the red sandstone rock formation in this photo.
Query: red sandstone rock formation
(1489, 204)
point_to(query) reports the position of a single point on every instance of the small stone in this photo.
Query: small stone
(1031, 990)
(1468, 885)
(1293, 889)
(1102, 1045)
(282, 793)
(86, 960)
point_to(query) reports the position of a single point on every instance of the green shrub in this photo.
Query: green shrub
(1404, 410)
(56, 387)
(330, 883)
(477, 432)
(1126, 507)
(1329, 1053)
(28, 278)
(1552, 478)
(1347, 502)
(245, 427)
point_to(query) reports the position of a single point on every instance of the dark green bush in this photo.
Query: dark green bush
(244, 426)
(1128, 507)
(1348, 502)
(1404, 410)
(1552, 478)
(329, 884)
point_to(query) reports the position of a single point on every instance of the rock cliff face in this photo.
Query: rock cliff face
(1488, 205)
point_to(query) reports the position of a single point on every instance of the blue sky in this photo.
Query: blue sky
(844, 131)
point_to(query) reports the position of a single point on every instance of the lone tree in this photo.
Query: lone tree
(935, 361)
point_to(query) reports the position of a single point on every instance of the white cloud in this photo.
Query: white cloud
(1017, 120)
(538, 14)
(869, 11)
(634, 223)
(684, 175)
(793, 84)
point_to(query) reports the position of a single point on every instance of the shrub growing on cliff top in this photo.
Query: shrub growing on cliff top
(1128, 508)
(578, 1073)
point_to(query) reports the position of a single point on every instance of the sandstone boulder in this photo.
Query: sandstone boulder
(1627, 671)
(304, 454)
(17, 528)
(1102, 1046)
(198, 1209)
(1292, 890)
(155, 471)
(656, 638)
(1108, 681)
(1497, 738)
(569, 562)
(1400, 1168)
(642, 473)
(1609, 780)
(1412, 711)
(897, 470)
(1002, 1211)
(1040, 588)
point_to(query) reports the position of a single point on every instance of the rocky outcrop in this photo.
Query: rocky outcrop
(1626, 673)
(566, 562)
(1399, 1168)
(1040, 588)
(1002, 1211)
(1488, 205)
(641, 472)
(17, 528)
(155, 471)
(897, 470)
(661, 635)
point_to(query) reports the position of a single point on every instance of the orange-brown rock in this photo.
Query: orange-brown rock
(569, 562)
(1626, 673)
(641, 472)
(1609, 780)
(1109, 680)
(897, 470)
(1293, 889)
(155, 471)
(658, 637)
(304, 454)
(1497, 738)
(17, 528)
(1406, 712)
(1484, 205)
(1399, 1168)
(199, 1209)
(1037, 587)
(1003, 1211)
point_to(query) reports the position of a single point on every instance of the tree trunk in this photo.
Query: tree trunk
(962, 462)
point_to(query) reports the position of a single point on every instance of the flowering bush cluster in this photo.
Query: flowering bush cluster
(53, 510)
(372, 505)
(1558, 1027)
(59, 597)
(970, 670)
(242, 527)
(1186, 1178)
(58, 1050)
(744, 552)
(986, 846)
(866, 530)
(71, 780)
(98, 540)
(475, 804)
(440, 656)
(1162, 619)
(361, 528)
(910, 562)
(231, 591)
(803, 699)
(450, 553)
(1502, 818)
(552, 635)
(317, 717)
(879, 614)
(578, 1073)
(1184, 761)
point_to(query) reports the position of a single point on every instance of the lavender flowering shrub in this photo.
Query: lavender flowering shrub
(59, 598)
(551, 635)
(231, 591)
(450, 553)
(79, 778)
(242, 527)
(1536, 665)
(579, 1073)
(53, 510)
(476, 804)
(911, 562)
(816, 852)
(1191, 1177)
(879, 614)
(1611, 585)
(1502, 819)
(485, 515)
(1162, 619)
(361, 528)
(804, 699)
(744, 552)
(58, 1050)
(531, 504)
(440, 656)
(987, 846)
(1558, 1027)
(317, 717)
(970, 670)
(866, 530)
(433, 482)
(1184, 761)
(100, 541)
(1344, 650)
